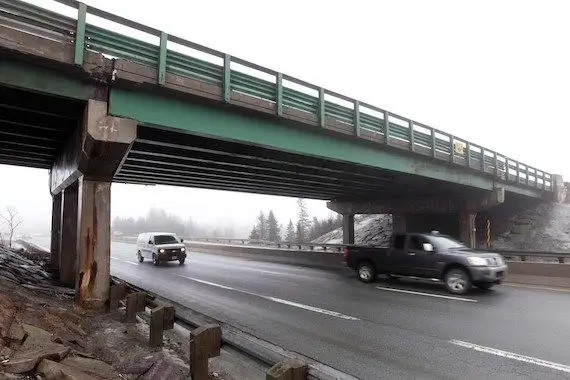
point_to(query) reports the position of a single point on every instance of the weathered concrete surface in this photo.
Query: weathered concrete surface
(96, 150)
(94, 246)
(467, 228)
(560, 190)
(56, 220)
(68, 236)
(348, 229)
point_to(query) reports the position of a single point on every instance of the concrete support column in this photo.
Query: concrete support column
(94, 247)
(68, 241)
(55, 232)
(467, 228)
(399, 225)
(348, 229)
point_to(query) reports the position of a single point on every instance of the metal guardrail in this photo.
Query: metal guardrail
(508, 254)
(310, 103)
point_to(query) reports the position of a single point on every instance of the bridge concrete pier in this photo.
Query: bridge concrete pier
(80, 183)
(454, 216)
(348, 229)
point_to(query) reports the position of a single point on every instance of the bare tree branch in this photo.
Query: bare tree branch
(12, 222)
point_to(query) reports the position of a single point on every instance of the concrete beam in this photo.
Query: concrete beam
(419, 205)
(96, 150)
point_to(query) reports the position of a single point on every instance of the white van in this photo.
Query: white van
(160, 246)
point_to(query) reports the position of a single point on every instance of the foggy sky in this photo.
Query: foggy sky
(495, 73)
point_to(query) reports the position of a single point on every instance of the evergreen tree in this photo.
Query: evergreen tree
(290, 235)
(303, 223)
(273, 229)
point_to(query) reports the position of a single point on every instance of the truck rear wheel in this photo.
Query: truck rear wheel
(366, 272)
(457, 281)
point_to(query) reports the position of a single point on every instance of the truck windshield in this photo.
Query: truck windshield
(165, 239)
(444, 243)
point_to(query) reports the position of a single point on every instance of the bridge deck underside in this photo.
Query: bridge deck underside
(165, 157)
(34, 127)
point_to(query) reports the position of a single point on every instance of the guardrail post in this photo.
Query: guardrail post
(357, 118)
(433, 144)
(116, 293)
(205, 343)
(411, 134)
(387, 127)
(279, 94)
(141, 301)
(289, 369)
(227, 90)
(156, 326)
(322, 112)
(168, 319)
(162, 58)
(561, 260)
(131, 308)
(80, 34)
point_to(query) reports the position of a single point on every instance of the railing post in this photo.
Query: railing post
(156, 326)
(411, 134)
(387, 127)
(80, 34)
(483, 159)
(468, 154)
(357, 117)
(279, 94)
(496, 164)
(227, 78)
(451, 149)
(162, 58)
(433, 144)
(518, 173)
(322, 111)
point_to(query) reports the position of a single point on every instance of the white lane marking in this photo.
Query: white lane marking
(124, 261)
(512, 355)
(278, 300)
(426, 294)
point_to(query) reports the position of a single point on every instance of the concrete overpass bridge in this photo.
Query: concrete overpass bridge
(96, 106)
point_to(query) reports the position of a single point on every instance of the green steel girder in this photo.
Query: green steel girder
(216, 122)
(40, 79)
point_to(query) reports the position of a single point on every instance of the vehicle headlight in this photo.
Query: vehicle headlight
(161, 251)
(477, 261)
(182, 249)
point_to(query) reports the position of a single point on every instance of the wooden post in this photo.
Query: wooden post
(205, 343)
(131, 308)
(116, 293)
(289, 369)
(156, 326)
(141, 301)
(168, 317)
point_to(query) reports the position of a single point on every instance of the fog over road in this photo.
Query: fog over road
(399, 329)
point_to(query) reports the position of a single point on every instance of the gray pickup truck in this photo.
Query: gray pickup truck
(429, 255)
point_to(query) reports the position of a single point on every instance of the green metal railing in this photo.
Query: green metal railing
(287, 93)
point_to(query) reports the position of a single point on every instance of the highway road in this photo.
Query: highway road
(386, 330)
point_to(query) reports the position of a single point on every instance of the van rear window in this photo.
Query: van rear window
(165, 239)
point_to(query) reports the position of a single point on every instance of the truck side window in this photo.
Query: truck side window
(416, 243)
(399, 241)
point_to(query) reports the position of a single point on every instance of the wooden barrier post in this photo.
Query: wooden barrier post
(168, 319)
(131, 308)
(116, 293)
(156, 326)
(205, 343)
(141, 301)
(289, 369)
